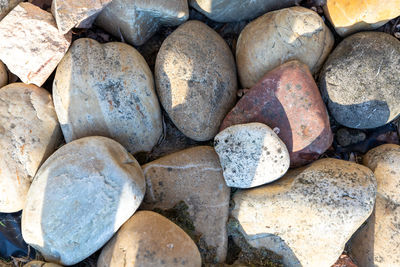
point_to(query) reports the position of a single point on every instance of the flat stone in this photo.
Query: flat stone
(196, 79)
(279, 36)
(41, 264)
(3, 75)
(29, 133)
(194, 176)
(360, 80)
(251, 155)
(137, 20)
(80, 197)
(149, 239)
(107, 90)
(6, 6)
(288, 99)
(318, 206)
(31, 45)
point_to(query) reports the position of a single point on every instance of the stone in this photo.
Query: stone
(41, 264)
(251, 155)
(346, 137)
(350, 16)
(149, 239)
(107, 90)
(81, 13)
(6, 6)
(80, 197)
(3, 75)
(137, 20)
(279, 36)
(196, 79)
(29, 133)
(288, 99)
(193, 176)
(324, 204)
(237, 10)
(360, 80)
(30, 44)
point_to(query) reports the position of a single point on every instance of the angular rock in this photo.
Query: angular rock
(6, 6)
(251, 155)
(41, 264)
(80, 197)
(323, 203)
(137, 20)
(30, 44)
(288, 99)
(279, 36)
(149, 239)
(194, 176)
(3, 75)
(108, 90)
(196, 79)
(360, 80)
(29, 133)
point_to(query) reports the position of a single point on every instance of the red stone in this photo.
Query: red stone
(288, 98)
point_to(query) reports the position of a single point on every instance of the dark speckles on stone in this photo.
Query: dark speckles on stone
(12, 125)
(169, 169)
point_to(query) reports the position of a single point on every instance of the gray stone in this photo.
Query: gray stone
(360, 80)
(80, 197)
(3, 75)
(6, 6)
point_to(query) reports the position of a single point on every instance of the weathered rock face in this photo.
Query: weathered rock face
(287, 98)
(361, 78)
(31, 45)
(41, 264)
(80, 197)
(6, 6)
(149, 239)
(196, 79)
(323, 203)
(237, 10)
(137, 20)
(349, 16)
(107, 90)
(251, 155)
(279, 36)
(3, 75)
(194, 176)
(29, 133)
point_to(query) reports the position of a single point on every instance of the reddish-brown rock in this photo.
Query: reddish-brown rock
(288, 98)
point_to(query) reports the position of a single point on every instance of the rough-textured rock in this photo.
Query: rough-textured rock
(80, 197)
(30, 44)
(346, 137)
(6, 6)
(41, 264)
(194, 176)
(137, 20)
(107, 90)
(29, 133)
(81, 13)
(318, 206)
(149, 239)
(349, 16)
(196, 79)
(279, 36)
(360, 80)
(251, 155)
(237, 10)
(3, 75)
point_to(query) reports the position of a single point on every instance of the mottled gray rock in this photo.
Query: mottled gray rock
(29, 132)
(80, 197)
(196, 79)
(3, 75)
(251, 155)
(137, 20)
(107, 90)
(6, 6)
(360, 80)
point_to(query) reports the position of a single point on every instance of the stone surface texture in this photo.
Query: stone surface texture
(29, 133)
(149, 239)
(41, 264)
(137, 20)
(251, 155)
(30, 44)
(6, 6)
(80, 197)
(279, 36)
(194, 176)
(318, 206)
(107, 90)
(3, 75)
(360, 80)
(196, 79)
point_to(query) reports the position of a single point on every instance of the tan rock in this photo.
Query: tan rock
(6, 6)
(3, 75)
(41, 264)
(194, 176)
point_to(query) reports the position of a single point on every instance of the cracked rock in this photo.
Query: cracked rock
(3, 75)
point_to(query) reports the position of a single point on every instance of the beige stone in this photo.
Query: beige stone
(31, 45)
(279, 36)
(3, 75)
(6, 6)
(29, 133)
(194, 176)
(41, 264)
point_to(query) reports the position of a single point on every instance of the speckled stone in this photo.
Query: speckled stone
(6, 6)
(3, 75)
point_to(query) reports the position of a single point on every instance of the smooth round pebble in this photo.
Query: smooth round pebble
(3, 75)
